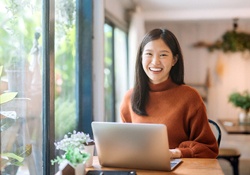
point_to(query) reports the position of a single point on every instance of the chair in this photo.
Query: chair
(230, 154)
(216, 130)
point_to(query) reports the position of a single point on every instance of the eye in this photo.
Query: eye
(163, 55)
(147, 53)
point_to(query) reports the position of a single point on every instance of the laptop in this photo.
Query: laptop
(133, 146)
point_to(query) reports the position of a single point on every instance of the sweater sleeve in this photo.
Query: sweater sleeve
(202, 142)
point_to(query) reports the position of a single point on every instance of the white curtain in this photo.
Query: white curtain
(136, 33)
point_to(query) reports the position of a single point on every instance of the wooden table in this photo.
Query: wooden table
(233, 127)
(194, 166)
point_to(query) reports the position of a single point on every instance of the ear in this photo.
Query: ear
(175, 60)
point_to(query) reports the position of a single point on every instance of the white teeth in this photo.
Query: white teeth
(155, 69)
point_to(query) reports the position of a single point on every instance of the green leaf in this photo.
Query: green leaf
(241, 100)
(6, 97)
(17, 158)
(13, 156)
(17, 163)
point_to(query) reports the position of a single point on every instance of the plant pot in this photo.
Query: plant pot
(80, 169)
(89, 149)
(66, 168)
(244, 117)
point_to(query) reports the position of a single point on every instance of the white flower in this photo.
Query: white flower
(73, 140)
(73, 145)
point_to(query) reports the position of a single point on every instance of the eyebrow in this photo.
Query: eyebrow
(160, 50)
(165, 51)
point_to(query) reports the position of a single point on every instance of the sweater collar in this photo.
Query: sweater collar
(165, 85)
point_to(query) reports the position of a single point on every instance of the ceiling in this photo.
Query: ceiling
(152, 5)
(191, 9)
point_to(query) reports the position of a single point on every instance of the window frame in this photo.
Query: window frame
(48, 59)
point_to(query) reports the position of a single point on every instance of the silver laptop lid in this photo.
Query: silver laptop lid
(132, 145)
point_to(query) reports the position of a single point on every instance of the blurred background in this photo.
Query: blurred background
(72, 61)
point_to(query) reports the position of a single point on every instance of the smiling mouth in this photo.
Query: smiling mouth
(155, 69)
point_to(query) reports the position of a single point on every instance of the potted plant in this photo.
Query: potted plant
(74, 150)
(242, 100)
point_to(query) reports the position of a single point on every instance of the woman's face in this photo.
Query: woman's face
(157, 61)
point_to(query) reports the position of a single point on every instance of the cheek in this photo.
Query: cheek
(169, 62)
(144, 63)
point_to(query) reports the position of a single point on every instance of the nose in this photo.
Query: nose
(155, 60)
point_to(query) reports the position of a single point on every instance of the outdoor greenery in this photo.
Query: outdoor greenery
(17, 28)
(65, 105)
(108, 81)
(241, 100)
(65, 117)
(20, 23)
(17, 35)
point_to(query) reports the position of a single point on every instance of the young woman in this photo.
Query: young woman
(160, 96)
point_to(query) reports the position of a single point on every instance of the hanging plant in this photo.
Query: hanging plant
(232, 41)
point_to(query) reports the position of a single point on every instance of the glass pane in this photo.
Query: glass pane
(20, 56)
(65, 104)
(121, 81)
(108, 72)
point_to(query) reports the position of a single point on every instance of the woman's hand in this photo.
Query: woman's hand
(174, 153)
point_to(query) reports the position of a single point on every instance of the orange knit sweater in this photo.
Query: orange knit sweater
(182, 110)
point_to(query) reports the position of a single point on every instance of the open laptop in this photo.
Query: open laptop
(133, 145)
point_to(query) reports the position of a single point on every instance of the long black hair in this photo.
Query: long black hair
(141, 88)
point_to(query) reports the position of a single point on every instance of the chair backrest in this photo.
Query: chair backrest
(216, 130)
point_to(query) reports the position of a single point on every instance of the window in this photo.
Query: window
(49, 43)
(115, 71)
(65, 51)
(21, 58)
(39, 72)
(121, 69)
(109, 73)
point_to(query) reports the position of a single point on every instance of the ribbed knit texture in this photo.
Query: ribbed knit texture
(182, 110)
